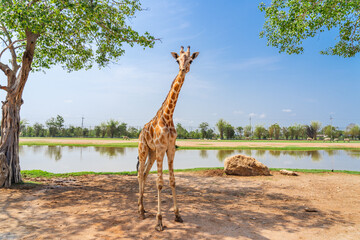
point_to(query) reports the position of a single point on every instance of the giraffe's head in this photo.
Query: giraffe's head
(184, 59)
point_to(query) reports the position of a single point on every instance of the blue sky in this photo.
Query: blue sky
(235, 76)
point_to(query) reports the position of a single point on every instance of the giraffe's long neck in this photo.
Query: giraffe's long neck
(168, 107)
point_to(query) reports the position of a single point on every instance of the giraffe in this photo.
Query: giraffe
(158, 137)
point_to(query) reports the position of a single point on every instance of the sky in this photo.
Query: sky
(235, 77)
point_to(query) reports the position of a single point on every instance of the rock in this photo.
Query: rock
(289, 173)
(307, 209)
(245, 166)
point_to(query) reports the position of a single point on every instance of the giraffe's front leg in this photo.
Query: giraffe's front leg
(143, 151)
(159, 183)
(170, 155)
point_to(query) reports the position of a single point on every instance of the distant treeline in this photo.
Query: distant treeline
(54, 127)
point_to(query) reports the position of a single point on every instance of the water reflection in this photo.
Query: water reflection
(222, 154)
(54, 152)
(275, 153)
(110, 151)
(203, 154)
(69, 159)
(353, 154)
(260, 153)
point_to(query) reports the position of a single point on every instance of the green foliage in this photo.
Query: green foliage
(330, 131)
(247, 131)
(55, 125)
(204, 126)
(182, 133)
(274, 131)
(221, 124)
(353, 131)
(285, 132)
(288, 23)
(74, 34)
(260, 132)
(229, 131)
(239, 131)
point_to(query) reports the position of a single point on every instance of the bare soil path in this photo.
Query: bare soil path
(213, 206)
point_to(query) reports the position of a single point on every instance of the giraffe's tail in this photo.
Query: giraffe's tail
(137, 165)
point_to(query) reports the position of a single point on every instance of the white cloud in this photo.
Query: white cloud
(252, 115)
(287, 110)
(238, 112)
(183, 121)
(263, 115)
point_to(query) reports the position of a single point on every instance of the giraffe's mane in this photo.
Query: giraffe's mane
(164, 103)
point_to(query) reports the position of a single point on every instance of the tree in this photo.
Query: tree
(329, 131)
(247, 131)
(40, 34)
(112, 128)
(122, 130)
(203, 129)
(286, 132)
(260, 132)
(288, 23)
(296, 131)
(221, 127)
(353, 130)
(55, 125)
(274, 131)
(239, 131)
(182, 133)
(229, 131)
(316, 128)
(39, 130)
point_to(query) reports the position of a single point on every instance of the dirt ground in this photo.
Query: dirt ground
(201, 143)
(213, 206)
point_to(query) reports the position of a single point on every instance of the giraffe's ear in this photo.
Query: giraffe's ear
(175, 55)
(194, 55)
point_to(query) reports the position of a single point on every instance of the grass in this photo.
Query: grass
(44, 174)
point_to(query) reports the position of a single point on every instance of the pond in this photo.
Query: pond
(61, 159)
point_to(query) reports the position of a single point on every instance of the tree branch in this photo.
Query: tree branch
(11, 46)
(5, 68)
(4, 88)
(12, 50)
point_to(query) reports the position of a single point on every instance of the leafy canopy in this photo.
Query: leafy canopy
(73, 33)
(289, 22)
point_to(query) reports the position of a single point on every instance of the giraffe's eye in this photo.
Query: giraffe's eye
(190, 61)
(177, 61)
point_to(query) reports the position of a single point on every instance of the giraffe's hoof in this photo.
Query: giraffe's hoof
(159, 227)
(178, 219)
(142, 214)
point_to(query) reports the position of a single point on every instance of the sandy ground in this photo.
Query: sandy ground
(201, 143)
(213, 206)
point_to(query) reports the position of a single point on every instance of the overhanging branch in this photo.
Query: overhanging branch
(11, 46)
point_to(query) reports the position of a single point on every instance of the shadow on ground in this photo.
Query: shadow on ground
(105, 207)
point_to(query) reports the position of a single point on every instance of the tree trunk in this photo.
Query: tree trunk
(9, 148)
(10, 123)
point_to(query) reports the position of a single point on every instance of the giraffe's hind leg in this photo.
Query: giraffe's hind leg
(143, 154)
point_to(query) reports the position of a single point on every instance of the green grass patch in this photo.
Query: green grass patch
(44, 174)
